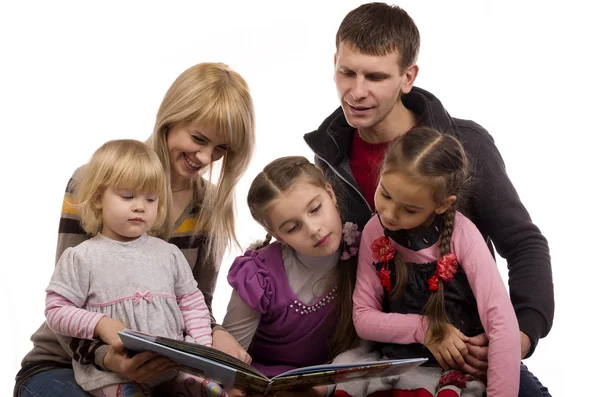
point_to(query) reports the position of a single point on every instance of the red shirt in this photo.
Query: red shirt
(365, 162)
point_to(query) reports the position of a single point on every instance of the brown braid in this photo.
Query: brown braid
(439, 161)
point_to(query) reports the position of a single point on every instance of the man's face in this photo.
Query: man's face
(369, 86)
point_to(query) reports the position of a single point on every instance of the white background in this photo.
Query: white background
(75, 74)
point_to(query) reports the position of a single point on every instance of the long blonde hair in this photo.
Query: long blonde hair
(122, 163)
(217, 98)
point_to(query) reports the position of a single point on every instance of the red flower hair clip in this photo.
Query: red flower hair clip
(384, 252)
(445, 269)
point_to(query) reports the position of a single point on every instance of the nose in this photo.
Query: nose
(314, 228)
(358, 90)
(139, 204)
(204, 155)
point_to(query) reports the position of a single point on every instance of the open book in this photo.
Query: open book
(231, 372)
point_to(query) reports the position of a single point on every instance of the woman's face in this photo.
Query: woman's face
(192, 148)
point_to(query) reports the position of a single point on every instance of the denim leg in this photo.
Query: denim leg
(530, 385)
(57, 382)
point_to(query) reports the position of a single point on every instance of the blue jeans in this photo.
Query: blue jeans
(57, 382)
(530, 385)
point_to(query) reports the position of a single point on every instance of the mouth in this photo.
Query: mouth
(322, 242)
(388, 224)
(190, 164)
(358, 110)
(136, 220)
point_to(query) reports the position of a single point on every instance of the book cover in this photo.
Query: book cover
(231, 372)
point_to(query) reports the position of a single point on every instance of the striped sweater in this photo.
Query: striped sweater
(51, 350)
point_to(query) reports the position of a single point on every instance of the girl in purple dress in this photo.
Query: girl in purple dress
(291, 304)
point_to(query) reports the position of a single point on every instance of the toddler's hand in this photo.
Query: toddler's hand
(107, 329)
(450, 351)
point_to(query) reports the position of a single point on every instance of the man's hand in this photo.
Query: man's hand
(476, 361)
(141, 368)
(450, 351)
(525, 345)
(223, 341)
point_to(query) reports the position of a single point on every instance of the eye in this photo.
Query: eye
(293, 229)
(151, 199)
(199, 139)
(410, 211)
(316, 209)
(347, 72)
(126, 196)
(385, 196)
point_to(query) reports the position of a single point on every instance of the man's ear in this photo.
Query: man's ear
(447, 203)
(409, 77)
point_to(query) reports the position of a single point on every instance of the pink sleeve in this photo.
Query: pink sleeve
(64, 318)
(196, 317)
(370, 321)
(495, 309)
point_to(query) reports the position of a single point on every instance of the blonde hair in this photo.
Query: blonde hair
(118, 164)
(216, 98)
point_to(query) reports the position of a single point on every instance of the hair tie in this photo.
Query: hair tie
(384, 252)
(445, 269)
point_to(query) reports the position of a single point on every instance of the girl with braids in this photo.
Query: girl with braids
(291, 304)
(426, 279)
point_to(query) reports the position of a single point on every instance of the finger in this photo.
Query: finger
(457, 356)
(462, 348)
(448, 357)
(441, 360)
(479, 340)
(461, 336)
(474, 362)
(478, 351)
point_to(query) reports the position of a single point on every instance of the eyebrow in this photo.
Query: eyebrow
(414, 207)
(307, 206)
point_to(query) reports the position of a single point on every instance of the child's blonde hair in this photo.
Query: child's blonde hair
(121, 164)
(217, 98)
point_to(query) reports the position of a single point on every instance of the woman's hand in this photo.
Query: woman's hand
(450, 351)
(141, 368)
(223, 341)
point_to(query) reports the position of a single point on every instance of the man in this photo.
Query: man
(374, 76)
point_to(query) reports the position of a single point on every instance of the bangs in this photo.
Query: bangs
(139, 174)
(228, 118)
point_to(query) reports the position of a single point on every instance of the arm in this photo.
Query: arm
(499, 213)
(495, 311)
(370, 321)
(64, 318)
(196, 317)
(241, 321)
(205, 272)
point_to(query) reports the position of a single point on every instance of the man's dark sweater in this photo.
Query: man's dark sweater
(492, 204)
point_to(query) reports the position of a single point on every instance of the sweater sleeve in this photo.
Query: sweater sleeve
(370, 321)
(495, 310)
(241, 321)
(499, 213)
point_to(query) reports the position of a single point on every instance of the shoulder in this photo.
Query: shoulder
(254, 276)
(372, 229)
(465, 234)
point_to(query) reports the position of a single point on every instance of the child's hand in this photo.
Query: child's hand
(450, 351)
(223, 341)
(107, 329)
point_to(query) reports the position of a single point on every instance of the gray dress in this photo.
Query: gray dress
(136, 282)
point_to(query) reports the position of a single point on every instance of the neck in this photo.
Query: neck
(397, 122)
(179, 184)
(318, 262)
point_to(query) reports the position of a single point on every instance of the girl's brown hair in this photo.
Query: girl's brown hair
(276, 178)
(439, 161)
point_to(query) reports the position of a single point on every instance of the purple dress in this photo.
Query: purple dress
(290, 334)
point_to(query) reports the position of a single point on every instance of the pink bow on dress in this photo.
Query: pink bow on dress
(139, 296)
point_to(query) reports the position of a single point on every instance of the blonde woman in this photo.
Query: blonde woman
(207, 115)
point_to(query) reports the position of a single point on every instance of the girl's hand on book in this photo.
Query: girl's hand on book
(223, 341)
(107, 329)
(450, 351)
